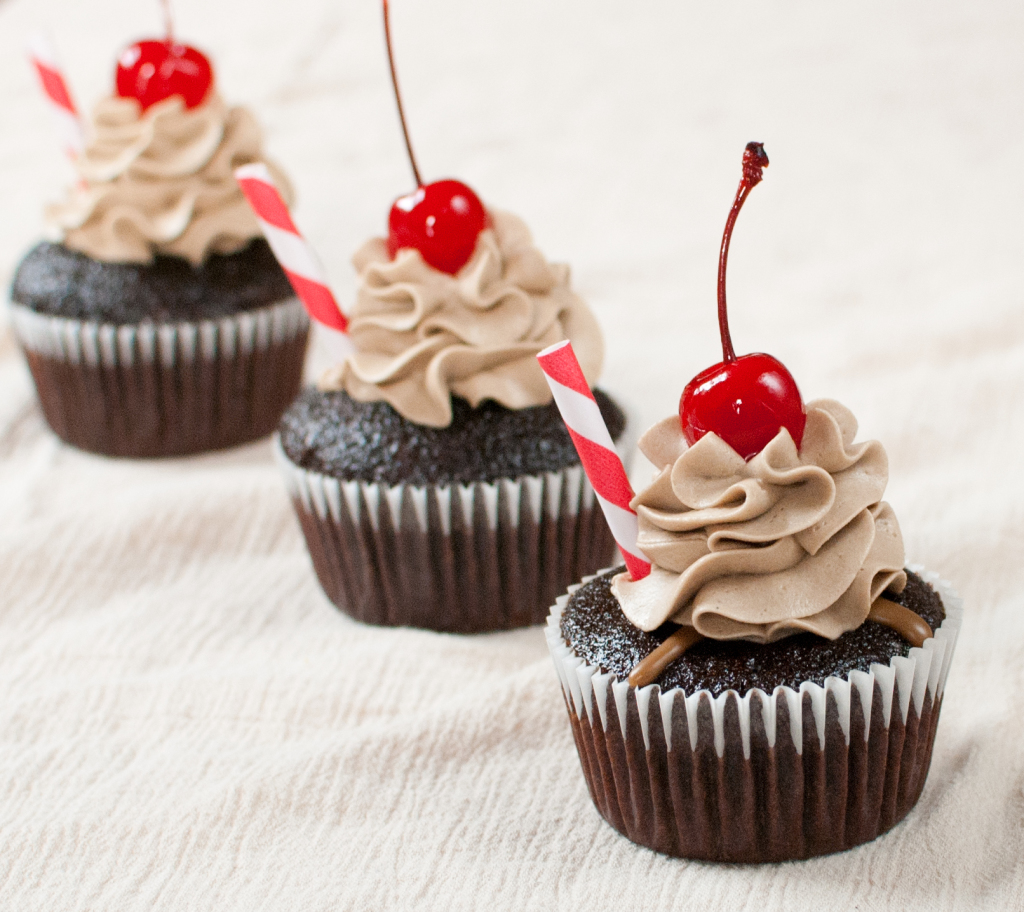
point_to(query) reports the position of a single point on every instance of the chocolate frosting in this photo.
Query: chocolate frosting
(422, 336)
(790, 541)
(162, 182)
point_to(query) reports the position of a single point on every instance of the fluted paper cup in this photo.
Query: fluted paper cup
(457, 558)
(165, 389)
(759, 777)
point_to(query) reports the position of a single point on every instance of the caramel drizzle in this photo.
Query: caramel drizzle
(648, 668)
(912, 627)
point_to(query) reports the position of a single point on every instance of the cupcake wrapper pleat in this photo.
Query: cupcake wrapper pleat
(759, 777)
(457, 558)
(165, 389)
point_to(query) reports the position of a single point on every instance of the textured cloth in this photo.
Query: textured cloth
(186, 723)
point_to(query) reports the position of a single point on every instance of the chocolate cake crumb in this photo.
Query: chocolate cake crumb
(594, 625)
(333, 434)
(55, 280)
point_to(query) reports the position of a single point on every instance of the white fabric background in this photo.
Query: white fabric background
(186, 723)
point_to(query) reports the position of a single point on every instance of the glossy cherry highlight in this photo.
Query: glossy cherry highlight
(151, 71)
(746, 400)
(441, 220)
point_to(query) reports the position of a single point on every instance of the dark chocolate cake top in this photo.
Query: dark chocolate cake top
(52, 279)
(594, 625)
(333, 434)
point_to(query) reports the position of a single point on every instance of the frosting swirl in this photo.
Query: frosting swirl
(162, 182)
(421, 335)
(791, 541)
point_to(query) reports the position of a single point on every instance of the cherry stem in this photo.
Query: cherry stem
(168, 20)
(754, 162)
(398, 96)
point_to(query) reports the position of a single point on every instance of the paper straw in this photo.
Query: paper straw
(596, 450)
(55, 88)
(293, 253)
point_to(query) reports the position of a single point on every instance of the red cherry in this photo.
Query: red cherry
(745, 401)
(441, 220)
(151, 71)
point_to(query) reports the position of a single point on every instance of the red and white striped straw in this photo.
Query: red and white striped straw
(596, 450)
(55, 87)
(294, 254)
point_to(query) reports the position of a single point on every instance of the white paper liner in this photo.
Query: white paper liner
(108, 345)
(718, 778)
(549, 495)
(903, 680)
(460, 557)
(156, 390)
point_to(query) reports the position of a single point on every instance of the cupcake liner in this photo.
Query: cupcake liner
(457, 558)
(165, 389)
(759, 777)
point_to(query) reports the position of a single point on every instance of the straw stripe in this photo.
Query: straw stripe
(266, 202)
(55, 89)
(623, 524)
(596, 450)
(565, 371)
(319, 301)
(609, 479)
(581, 414)
(293, 253)
(289, 248)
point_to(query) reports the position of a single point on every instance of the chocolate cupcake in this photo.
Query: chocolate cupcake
(771, 690)
(768, 686)
(433, 478)
(158, 323)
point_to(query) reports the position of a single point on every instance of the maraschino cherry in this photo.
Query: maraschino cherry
(441, 220)
(153, 70)
(746, 400)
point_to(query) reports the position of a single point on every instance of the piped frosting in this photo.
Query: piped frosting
(794, 540)
(422, 336)
(162, 182)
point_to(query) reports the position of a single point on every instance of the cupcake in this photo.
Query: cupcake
(433, 478)
(770, 689)
(157, 322)
(434, 481)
